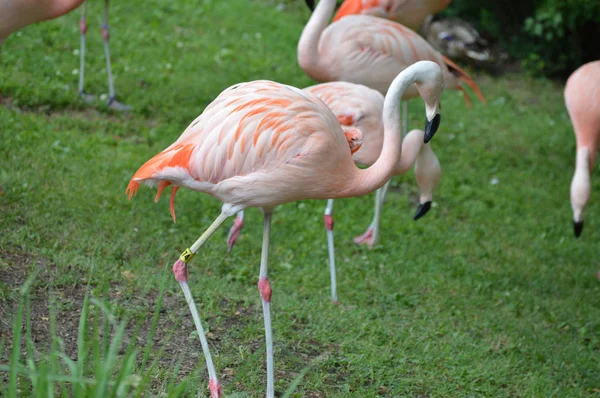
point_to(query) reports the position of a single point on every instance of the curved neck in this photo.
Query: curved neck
(372, 178)
(411, 148)
(308, 46)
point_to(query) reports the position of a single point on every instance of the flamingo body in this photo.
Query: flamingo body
(359, 107)
(410, 13)
(369, 50)
(582, 98)
(252, 147)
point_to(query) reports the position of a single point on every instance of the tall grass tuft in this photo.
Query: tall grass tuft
(103, 368)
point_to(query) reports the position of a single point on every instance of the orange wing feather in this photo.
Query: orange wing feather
(464, 77)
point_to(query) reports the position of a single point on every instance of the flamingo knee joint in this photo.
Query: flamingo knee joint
(264, 287)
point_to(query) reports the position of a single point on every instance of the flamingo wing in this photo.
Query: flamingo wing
(250, 127)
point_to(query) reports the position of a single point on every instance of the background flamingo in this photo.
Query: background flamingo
(582, 97)
(370, 51)
(359, 107)
(261, 144)
(410, 13)
(112, 101)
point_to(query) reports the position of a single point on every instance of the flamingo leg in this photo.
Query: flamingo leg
(83, 30)
(180, 271)
(264, 288)
(328, 218)
(112, 102)
(371, 236)
(235, 230)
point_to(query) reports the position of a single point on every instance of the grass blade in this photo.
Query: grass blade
(16, 351)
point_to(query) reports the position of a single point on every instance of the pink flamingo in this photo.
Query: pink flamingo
(261, 144)
(410, 13)
(369, 50)
(582, 97)
(359, 107)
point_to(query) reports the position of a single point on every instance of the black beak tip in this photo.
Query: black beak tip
(422, 210)
(310, 4)
(431, 127)
(577, 228)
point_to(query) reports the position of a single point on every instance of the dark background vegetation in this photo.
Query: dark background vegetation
(549, 37)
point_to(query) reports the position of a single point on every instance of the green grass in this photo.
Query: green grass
(489, 295)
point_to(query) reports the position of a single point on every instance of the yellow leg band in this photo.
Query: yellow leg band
(186, 256)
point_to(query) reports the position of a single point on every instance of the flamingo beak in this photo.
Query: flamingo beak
(577, 228)
(310, 4)
(431, 126)
(422, 210)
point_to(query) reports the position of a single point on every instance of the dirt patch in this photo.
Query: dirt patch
(174, 341)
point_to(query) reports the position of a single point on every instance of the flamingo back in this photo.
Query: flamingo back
(357, 45)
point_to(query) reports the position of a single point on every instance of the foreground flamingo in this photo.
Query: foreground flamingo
(359, 107)
(261, 144)
(582, 97)
(410, 13)
(369, 50)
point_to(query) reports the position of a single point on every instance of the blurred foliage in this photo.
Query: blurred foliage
(550, 37)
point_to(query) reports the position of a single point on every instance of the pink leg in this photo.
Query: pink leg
(264, 287)
(112, 101)
(83, 29)
(371, 236)
(180, 271)
(235, 230)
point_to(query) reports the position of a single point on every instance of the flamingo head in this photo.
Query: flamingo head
(430, 88)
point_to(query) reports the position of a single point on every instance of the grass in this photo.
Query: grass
(489, 295)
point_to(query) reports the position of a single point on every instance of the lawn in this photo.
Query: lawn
(488, 295)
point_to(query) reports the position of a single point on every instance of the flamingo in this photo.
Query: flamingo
(410, 13)
(371, 51)
(359, 107)
(112, 101)
(582, 98)
(261, 144)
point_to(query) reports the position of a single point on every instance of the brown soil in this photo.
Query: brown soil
(173, 333)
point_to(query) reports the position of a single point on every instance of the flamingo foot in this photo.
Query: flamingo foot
(216, 391)
(234, 233)
(87, 98)
(117, 106)
(366, 238)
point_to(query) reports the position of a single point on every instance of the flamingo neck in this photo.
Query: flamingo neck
(308, 46)
(581, 183)
(411, 148)
(584, 162)
(372, 178)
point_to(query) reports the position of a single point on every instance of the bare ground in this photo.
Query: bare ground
(174, 345)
